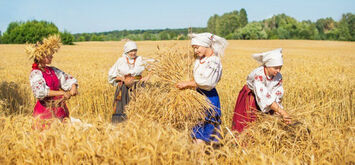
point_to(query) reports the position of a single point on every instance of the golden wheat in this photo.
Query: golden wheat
(318, 80)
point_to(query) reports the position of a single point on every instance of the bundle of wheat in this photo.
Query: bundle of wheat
(48, 46)
(162, 101)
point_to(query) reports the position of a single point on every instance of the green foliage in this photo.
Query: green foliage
(251, 31)
(227, 23)
(243, 17)
(67, 38)
(346, 27)
(31, 32)
(212, 24)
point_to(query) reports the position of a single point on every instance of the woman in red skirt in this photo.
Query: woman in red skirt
(50, 85)
(263, 91)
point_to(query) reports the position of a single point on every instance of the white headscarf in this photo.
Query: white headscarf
(130, 45)
(218, 44)
(270, 58)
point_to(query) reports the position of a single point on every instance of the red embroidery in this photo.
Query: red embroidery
(280, 83)
(257, 77)
(261, 78)
(268, 95)
(261, 90)
(278, 93)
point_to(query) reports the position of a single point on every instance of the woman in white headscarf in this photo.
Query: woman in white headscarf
(263, 91)
(124, 74)
(207, 73)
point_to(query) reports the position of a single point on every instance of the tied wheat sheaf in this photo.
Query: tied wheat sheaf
(318, 79)
(161, 101)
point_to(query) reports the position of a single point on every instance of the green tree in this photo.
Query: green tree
(164, 35)
(212, 23)
(67, 38)
(243, 17)
(347, 27)
(147, 36)
(30, 31)
(251, 31)
(227, 23)
(283, 21)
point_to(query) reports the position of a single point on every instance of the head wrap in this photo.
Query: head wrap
(218, 44)
(270, 58)
(42, 49)
(130, 45)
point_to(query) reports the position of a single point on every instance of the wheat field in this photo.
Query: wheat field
(319, 79)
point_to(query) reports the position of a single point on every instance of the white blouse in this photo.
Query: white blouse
(122, 68)
(207, 72)
(266, 91)
(39, 86)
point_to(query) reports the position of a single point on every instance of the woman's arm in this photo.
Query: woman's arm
(186, 84)
(66, 95)
(74, 90)
(285, 116)
(118, 79)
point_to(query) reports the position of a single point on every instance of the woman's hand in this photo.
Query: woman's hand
(118, 78)
(73, 91)
(181, 85)
(128, 80)
(66, 95)
(286, 117)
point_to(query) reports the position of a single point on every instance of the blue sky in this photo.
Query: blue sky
(107, 15)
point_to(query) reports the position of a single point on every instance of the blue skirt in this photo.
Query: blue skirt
(209, 129)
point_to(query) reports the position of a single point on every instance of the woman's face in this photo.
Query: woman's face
(132, 53)
(200, 51)
(47, 60)
(273, 70)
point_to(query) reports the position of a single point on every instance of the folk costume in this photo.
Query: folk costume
(48, 78)
(207, 73)
(124, 66)
(260, 91)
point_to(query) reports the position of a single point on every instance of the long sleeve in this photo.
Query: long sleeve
(139, 67)
(266, 91)
(38, 84)
(208, 75)
(66, 80)
(114, 72)
(279, 93)
(263, 97)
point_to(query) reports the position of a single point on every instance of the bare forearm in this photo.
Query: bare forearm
(286, 117)
(274, 106)
(55, 93)
(191, 84)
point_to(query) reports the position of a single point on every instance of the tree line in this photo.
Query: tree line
(231, 25)
(235, 25)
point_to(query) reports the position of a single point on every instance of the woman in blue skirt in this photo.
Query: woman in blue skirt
(207, 72)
